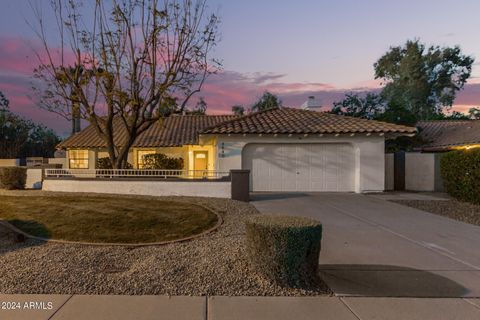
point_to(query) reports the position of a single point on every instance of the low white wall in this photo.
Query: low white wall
(389, 169)
(34, 179)
(420, 171)
(9, 162)
(216, 189)
(62, 161)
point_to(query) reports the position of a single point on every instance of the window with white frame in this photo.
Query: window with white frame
(78, 159)
(141, 157)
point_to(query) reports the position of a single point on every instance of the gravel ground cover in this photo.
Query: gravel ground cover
(462, 211)
(214, 264)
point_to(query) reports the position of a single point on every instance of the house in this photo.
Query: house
(285, 149)
(445, 135)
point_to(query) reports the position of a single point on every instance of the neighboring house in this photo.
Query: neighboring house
(285, 149)
(445, 135)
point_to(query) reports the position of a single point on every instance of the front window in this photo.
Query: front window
(141, 157)
(78, 159)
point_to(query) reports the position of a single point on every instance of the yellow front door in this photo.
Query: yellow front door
(200, 163)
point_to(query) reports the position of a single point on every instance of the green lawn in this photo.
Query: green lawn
(105, 219)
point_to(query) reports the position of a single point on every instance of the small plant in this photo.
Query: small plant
(161, 161)
(284, 249)
(105, 163)
(460, 171)
(13, 178)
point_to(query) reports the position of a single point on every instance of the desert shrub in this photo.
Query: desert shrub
(284, 249)
(13, 178)
(162, 161)
(105, 163)
(460, 172)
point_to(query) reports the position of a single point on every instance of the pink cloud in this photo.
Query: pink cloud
(221, 91)
(17, 56)
(229, 88)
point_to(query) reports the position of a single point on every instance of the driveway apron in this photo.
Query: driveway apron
(373, 247)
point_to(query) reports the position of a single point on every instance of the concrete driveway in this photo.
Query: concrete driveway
(373, 247)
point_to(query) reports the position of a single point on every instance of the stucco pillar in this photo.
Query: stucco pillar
(240, 185)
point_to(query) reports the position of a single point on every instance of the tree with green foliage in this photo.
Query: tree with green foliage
(200, 107)
(20, 137)
(421, 82)
(41, 142)
(14, 134)
(3, 102)
(238, 110)
(474, 113)
(369, 106)
(455, 115)
(266, 101)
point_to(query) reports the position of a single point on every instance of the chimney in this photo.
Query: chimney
(75, 119)
(311, 104)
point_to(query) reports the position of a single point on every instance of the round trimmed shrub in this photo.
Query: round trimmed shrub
(13, 178)
(460, 172)
(284, 249)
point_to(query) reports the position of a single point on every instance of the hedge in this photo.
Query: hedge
(13, 178)
(284, 249)
(460, 172)
(161, 161)
(105, 163)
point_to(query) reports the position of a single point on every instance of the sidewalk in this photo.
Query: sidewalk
(230, 308)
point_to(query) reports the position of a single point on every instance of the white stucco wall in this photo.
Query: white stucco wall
(34, 179)
(61, 161)
(420, 171)
(369, 158)
(216, 189)
(9, 162)
(389, 172)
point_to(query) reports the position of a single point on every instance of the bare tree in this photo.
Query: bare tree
(121, 63)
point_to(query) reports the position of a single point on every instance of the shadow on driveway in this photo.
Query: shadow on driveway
(388, 281)
(265, 196)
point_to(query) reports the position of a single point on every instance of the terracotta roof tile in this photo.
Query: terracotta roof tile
(290, 120)
(174, 131)
(183, 130)
(443, 134)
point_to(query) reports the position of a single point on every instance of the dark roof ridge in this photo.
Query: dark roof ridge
(313, 117)
(239, 118)
(447, 120)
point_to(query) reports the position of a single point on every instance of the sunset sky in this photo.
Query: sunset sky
(291, 48)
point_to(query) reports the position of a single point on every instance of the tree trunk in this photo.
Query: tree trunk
(120, 161)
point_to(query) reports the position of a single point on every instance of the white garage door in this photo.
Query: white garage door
(300, 167)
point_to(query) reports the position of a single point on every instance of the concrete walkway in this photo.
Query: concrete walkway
(37, 307)
(375, 248)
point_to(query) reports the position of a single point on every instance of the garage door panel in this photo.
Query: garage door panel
(300, 167)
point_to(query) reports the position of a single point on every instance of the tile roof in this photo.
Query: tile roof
(441, 135)
(290, 120)
(184, 130)
(175, 131)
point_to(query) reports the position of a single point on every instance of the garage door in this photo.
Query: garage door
(300, 167)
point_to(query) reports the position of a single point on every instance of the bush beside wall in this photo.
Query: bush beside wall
(284, 249)
(161, 161)
(13, 178)
(460, 171)
(105, 163)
